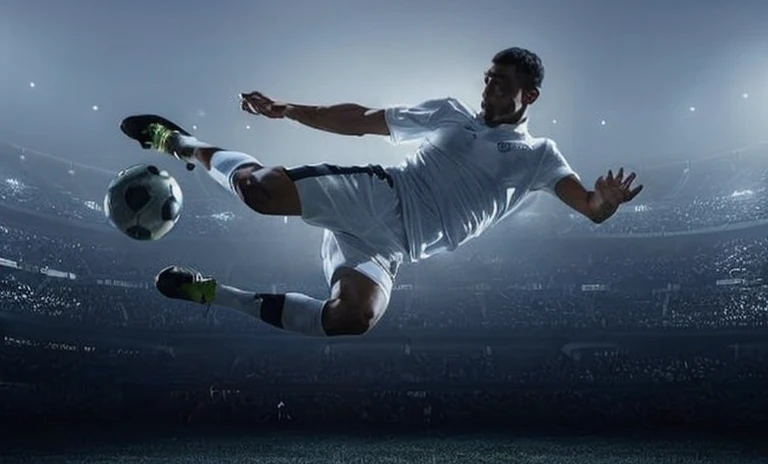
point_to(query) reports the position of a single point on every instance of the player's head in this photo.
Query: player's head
(512, 84)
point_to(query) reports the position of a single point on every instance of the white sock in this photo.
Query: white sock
(294, 312)
(185, 145)
(299, 313)
(240, 300)
(225, 163)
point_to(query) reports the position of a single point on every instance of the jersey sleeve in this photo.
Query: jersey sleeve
(553, 168)
(413, 123)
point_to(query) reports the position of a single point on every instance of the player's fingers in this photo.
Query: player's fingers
(618, 178)
(252, 94)
(610, 176)
(250, 100)
(253, 109)
(628, 181)
(250, 97)
(257, 97)
(633, 193)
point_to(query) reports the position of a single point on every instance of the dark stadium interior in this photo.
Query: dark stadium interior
(656, 324)
(550, 339)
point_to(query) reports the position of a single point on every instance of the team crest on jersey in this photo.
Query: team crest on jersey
(506, 146)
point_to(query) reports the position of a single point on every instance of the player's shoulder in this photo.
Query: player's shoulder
(544, 145)
(459, 106)
(542, 148)
(550, 144)
(449, 105)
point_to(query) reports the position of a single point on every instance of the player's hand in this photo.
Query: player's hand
(257, 104)
(614, 190)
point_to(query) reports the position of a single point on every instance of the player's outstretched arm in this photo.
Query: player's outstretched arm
(344, 119)
(600, 204)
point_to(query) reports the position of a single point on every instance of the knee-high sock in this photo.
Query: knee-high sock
(224, 163)
(294, 312)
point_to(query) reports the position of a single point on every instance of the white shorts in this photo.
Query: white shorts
(361, 215)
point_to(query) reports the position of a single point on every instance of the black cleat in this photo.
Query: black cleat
(140, 128)
(185, 284)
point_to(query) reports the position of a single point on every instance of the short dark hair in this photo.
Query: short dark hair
(526, 63)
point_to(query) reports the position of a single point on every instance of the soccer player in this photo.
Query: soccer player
(471, 170)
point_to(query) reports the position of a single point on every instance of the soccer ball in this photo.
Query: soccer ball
(143, 202)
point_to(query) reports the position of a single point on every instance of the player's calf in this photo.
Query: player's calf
(356, 304)
(352, 311)
(303, 314)
(342, 317)
(265, 190)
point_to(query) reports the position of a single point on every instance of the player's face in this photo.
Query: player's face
(504, 97)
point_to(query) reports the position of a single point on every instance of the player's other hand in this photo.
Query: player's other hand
(615, 190)
(257, 103)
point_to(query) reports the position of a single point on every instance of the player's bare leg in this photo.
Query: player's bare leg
(355, 305)
(356, 302)
(266, 190)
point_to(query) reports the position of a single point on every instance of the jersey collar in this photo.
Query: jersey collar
(520, 128)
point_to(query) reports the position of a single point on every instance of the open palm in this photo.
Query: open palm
(615, 190)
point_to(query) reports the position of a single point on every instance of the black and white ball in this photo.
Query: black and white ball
(143, 202)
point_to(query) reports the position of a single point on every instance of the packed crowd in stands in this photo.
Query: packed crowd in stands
(724, 191)
(674, 217)
(540, 287)
(680, 197)
(96, 339)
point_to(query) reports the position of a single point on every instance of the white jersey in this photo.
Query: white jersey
(466, 176)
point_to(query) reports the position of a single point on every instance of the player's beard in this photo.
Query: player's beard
(488, 113)
(493, 116)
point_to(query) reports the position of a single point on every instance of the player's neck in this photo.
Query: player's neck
(510, 120)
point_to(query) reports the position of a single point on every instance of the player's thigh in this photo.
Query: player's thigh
(359, 276)
(358, 201)
(268, 190)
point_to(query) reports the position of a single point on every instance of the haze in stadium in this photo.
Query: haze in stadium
(654, 318)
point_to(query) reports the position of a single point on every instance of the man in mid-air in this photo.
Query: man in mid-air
(471, 170)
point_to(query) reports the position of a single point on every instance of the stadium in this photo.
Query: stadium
(543, 341)
(670, 332)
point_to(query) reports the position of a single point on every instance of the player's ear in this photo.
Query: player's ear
(530, 96)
